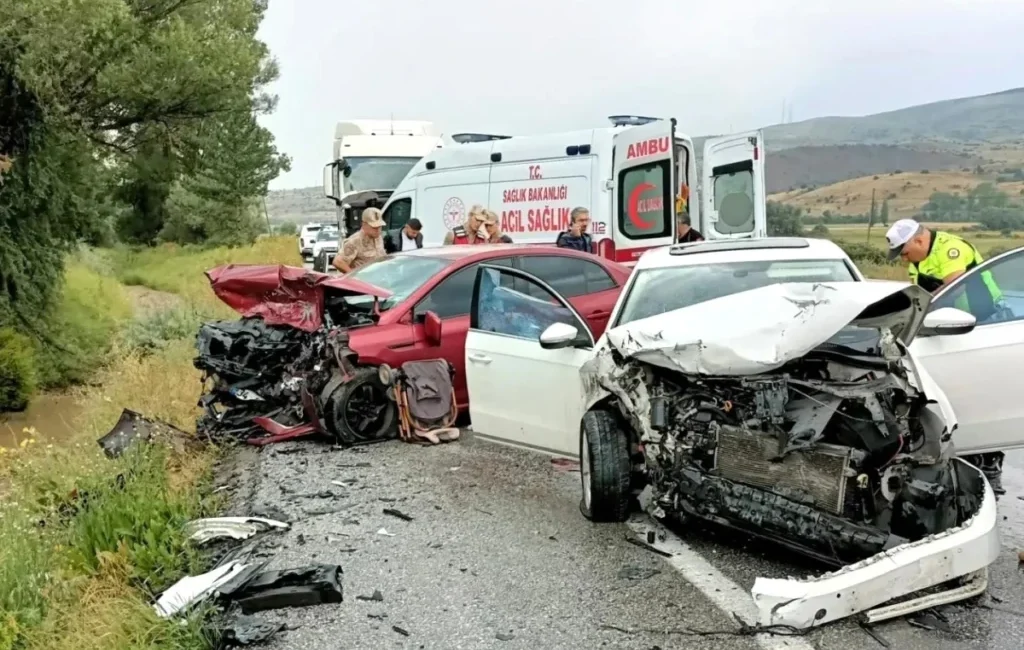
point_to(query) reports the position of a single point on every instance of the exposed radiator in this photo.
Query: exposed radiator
(743, 456)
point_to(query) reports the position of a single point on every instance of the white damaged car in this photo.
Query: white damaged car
(760, 385)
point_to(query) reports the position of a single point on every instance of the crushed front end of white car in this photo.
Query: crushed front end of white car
(794, 413)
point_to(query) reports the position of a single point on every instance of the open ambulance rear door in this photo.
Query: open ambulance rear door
(734, 201)
(643, 199)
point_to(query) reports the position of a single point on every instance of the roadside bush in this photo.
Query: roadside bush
(17, 370)
(155, 331)
(81, 327)
(820, 230)
(862, 253)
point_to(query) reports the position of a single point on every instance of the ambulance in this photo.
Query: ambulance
(632, 176)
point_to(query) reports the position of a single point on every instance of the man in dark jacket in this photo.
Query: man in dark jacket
(576, 237)
(407, 237)
(685, 233)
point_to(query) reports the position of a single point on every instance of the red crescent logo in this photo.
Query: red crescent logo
(631, 206)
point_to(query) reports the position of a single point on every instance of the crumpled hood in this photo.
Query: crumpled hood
(759, 330)
(283, 295)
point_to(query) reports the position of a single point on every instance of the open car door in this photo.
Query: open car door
(644, 189)
(734, 201)
(523, 359)
(980, 371)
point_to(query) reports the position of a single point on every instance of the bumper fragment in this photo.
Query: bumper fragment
(962, 552)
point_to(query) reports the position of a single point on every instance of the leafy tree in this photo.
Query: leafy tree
(1001, 218)
(873, 215)
(784, 220)
(883, 216)
(288, 228)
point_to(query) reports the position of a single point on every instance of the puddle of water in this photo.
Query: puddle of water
(52, 416)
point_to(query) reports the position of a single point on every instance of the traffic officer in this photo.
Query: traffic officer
(364, 246)
(934, 258)
(471, 233)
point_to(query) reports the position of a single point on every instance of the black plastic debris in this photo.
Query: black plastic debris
(246, 630)
(397, 514)
(637, 573)
(376, 597)
(400, 630)
(133, 427)
(302, 587)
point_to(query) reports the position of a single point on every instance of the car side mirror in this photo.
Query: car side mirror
(559, 335)
(432, 328)
(947, 321)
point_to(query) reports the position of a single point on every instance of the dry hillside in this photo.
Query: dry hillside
(906, 192)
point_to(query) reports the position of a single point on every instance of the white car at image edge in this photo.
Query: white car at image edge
(765, 386)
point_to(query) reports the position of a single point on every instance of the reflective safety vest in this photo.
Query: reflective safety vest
(950, 254)
(461, 236)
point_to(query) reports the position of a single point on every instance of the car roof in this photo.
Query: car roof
(485, 251)
(723, 251)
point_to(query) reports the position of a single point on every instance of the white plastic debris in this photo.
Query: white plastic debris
(384, 531)
(204, 530)
(193, 589)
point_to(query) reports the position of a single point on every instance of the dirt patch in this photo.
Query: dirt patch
(148, 301)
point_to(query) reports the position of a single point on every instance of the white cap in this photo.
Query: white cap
(899, 234)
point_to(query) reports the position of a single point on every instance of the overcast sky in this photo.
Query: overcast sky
(534, 66)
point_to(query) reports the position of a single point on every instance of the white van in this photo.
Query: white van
(628, 175)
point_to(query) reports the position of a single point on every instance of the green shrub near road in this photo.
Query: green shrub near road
(17, 369)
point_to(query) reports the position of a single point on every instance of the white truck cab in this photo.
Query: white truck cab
(630, 176)
(370, 159)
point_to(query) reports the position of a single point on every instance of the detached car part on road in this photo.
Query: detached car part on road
(759, 385)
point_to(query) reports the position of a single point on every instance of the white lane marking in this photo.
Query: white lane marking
(720, 590)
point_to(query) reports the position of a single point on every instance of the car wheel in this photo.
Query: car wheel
(360, 411)
(320, 263)
(604, 468)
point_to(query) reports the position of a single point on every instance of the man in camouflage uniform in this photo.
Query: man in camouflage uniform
(364, 246)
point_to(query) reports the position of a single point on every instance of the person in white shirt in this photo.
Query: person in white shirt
(407, 237)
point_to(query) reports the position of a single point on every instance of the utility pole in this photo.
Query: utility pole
(270, 231)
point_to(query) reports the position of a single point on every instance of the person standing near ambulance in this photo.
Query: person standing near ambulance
(472, 232)
(576, 236)
(364, 246)
(493, 229)
(935, 258)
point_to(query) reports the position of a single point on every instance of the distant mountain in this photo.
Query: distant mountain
(997, 117)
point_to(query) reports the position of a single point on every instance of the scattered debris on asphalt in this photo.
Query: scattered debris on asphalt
(401, 631)
(384, 531)
(636, 542)
(397, 513)
(190, 590)
(501, 636)
(242, 630)
(565, 464)
(201, 531)
(637, 573)
(375, 597)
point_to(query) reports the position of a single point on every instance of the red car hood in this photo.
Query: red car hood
(283, 295)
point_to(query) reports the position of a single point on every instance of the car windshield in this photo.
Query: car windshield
(327, 234)
(376, 173)
(400, 274)
(656, 291)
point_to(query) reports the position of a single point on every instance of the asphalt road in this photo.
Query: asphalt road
(498, 556)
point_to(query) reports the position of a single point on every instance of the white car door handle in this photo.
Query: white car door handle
(479, 358)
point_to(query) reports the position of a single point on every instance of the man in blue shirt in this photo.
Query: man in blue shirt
(576, 237)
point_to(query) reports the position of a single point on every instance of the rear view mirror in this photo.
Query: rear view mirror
(432, 328)
(947, 321)
(330, 184)
(558, 335)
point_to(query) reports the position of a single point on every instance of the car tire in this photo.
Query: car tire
(320, 263)
(365, 381)
(605, 470)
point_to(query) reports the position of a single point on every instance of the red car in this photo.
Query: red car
(440, 280)
(420, 302)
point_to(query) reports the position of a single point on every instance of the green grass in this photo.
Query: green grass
(85, 579)
(180, 270)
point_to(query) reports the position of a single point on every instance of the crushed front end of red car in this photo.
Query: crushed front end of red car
(285, 368)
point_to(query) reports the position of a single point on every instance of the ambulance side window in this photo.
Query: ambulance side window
(397, 214)
(646, 201)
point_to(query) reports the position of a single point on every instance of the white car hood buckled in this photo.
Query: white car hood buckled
(762, 329)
